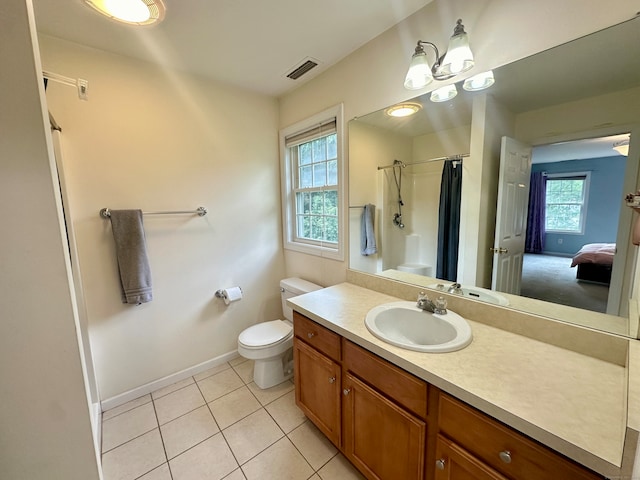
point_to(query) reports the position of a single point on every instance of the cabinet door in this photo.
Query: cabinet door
(317, 380)
(455, 463)
(381, 439)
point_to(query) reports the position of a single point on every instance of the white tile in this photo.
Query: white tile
(112, 412)
(268, 395)
(171, 388)
(134, 458)
(245, 371)
(128, 425)
(178, 403)
(313, 444)
(212, 371)
(339, 468)
(234, 406)
(188, 430)
(220, 384)
(285, 412)
(160, 473)
(236, 475)
(251, 435)
(280, 461)
(315, 477)
(210, 460)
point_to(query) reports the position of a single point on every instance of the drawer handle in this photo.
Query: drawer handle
(440, 464)
(332, 379)
(311, 334)
(346, 391)
(505, 456)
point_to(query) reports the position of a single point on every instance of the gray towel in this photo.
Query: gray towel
(131, 253)
(367, 233)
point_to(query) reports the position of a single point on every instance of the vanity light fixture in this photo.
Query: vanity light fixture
(479, 82)
(403, 110)
(132, 12)
(457, 59)
(444, 94)
(622, 147)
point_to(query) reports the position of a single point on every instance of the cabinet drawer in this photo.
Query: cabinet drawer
(502, 448)
(404, 388)
(319, 337)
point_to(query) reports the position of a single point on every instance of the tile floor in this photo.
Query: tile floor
(218, 425)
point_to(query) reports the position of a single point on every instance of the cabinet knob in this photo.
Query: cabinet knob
(505, 456)
(346, 391)
(332, 379)
(311, 334)
(440, 464)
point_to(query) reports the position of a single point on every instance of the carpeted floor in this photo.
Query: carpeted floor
(551, 278)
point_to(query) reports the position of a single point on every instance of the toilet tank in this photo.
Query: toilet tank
(292, 287)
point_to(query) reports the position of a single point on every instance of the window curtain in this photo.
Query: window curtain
(534, 242)
(449, 220)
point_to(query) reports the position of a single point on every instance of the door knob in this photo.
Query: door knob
(499, 250)
(346, 391)
(332, 379)
(311, 334)
(440, 464)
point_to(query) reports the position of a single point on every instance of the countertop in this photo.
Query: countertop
(571, 402)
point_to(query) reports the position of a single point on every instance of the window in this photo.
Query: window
(312, 185)
(566, 202)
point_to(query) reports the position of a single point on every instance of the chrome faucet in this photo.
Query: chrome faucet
(455, 288)
(439, 307)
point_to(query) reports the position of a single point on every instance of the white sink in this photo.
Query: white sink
(476, 293)
(404, 325)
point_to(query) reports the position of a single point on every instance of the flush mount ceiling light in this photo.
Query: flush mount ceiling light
(132, 12)
(479, 82)
(458, 59)
(403, 110)
(622, 147)
(444, 94)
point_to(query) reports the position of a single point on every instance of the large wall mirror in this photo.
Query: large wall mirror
(535, 153)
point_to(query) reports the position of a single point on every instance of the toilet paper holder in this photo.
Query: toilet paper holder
(229, 295)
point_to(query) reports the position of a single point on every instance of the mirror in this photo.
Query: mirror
(564, 97)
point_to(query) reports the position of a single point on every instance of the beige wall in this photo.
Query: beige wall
(371, 78)
(45, 428)
(161, 140)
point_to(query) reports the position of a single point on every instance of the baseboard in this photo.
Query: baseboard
(558, 254)
(137, 392)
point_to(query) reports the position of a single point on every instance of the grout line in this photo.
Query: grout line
(164, 448)
(130, 440)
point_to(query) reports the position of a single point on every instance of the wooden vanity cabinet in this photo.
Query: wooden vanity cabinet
(392, 425)
(317, 375)
(382, 436)
(485, 441)
(455, 463)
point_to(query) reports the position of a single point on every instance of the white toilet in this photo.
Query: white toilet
(270, 344)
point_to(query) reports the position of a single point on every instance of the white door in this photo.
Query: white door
(511, 215)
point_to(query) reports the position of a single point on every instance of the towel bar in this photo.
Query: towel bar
(200, 211)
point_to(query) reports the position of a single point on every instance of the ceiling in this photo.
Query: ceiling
(589, 66)
(252, 44)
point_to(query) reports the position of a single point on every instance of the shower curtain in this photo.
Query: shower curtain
(534, 242)
(449, 220)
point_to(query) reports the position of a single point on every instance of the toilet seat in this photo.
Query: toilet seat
(265, 334)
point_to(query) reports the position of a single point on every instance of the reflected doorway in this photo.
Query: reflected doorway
(582, 191)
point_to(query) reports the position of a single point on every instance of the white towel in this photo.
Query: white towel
(367, 233)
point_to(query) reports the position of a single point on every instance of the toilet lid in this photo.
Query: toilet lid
(265, 333)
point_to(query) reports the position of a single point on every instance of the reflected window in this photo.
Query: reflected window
(566, 202)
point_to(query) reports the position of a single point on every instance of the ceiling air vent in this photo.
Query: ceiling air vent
(300, 70)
